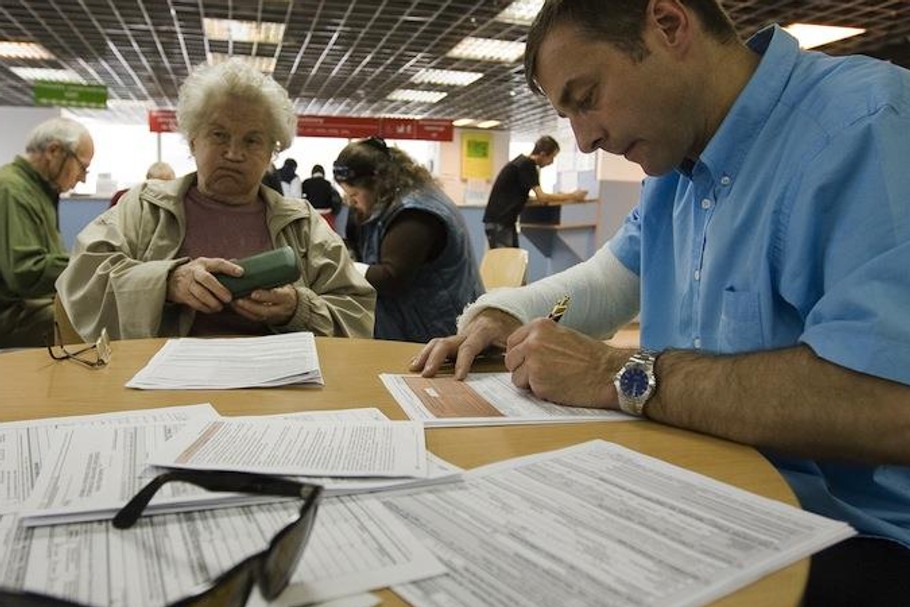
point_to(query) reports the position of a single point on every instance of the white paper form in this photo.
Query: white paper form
(232, 362)
(598, 524)
(93, 471)
(357, 545)
(482, 399)
(24, 444)
(267, 446)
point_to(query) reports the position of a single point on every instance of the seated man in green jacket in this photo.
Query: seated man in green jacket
(57, 156)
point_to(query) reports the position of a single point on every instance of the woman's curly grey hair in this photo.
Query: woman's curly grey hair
(233, 79)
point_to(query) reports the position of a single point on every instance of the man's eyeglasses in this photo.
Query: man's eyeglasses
(271, 569)
(94, 356)
(82, 166)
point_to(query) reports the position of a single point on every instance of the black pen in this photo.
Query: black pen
(559, 309)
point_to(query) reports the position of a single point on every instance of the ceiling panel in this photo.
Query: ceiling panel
(343, 57)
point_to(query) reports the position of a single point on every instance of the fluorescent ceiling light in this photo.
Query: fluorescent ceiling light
(34, 74)
(244, 31)
(463, 122)
(129, 104)
(810, 35)
(488, 124)
(446, 77)
(23, 50)
(488, 49)
(520, 12)
(263, 64)
(415, 95)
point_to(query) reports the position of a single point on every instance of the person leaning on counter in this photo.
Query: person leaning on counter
(509, 193)
(767, 258)
(147, 266)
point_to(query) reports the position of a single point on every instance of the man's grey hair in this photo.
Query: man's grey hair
(64, 131)
(233, 79)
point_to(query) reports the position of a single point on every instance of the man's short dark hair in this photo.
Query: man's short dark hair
(619, 22)
(545, 145)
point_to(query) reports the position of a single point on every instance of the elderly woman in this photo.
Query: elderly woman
(413, 239)
(148, 266)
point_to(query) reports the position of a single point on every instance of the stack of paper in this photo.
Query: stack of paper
(598, 524)
(225, 363)
(117, 458)
(58, 471)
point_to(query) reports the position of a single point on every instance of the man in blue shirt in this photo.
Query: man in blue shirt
(767, 258)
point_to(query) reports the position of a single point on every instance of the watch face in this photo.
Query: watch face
(634, 382)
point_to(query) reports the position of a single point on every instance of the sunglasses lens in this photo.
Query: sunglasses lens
(285, 554)
(232, 590)
(342, 172)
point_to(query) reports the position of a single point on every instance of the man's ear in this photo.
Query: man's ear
(672, 21)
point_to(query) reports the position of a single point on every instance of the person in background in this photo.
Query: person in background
(767, 256)
(413, 240)
(147, 267)
(157, 170)
(272, 179)
(510, 191)
(322, 195)
(290, 182)
(32, 255)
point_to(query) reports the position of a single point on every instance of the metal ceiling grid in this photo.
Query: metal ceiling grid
(343, 57)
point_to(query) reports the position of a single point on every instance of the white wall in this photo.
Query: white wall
(15, 125)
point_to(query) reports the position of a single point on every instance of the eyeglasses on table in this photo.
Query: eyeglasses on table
(93, 356)
(271, 569)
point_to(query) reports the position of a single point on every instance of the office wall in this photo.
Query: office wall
(15, 125)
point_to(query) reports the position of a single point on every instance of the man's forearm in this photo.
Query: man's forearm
(788, 400)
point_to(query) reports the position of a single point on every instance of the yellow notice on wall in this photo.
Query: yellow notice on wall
(476, 155)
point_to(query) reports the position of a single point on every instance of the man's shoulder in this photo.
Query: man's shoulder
(842, 90)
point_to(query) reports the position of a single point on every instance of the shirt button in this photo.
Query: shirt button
(725, 180)
(696, 342)
(697, 274)
(706, 203)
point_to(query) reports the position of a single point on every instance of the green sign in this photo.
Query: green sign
(478, 149)
(68, 94)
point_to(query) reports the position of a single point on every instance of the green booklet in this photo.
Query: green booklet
(265, 270)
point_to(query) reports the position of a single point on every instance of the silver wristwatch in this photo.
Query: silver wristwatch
(636, 382)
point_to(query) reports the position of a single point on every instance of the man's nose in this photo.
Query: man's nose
(587, 134)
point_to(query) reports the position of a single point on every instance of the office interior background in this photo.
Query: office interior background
(452, 60)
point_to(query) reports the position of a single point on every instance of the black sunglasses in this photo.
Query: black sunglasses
(271, 569)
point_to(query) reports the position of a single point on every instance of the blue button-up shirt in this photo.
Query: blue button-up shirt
(793, 227)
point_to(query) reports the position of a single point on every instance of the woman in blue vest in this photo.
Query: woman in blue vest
(413, 240)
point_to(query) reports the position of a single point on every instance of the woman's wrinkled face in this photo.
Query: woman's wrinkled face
(359, 198)
(233, 150)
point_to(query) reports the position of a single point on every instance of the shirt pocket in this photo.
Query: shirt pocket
(740, 322)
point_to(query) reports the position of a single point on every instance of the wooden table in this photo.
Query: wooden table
(34, 386)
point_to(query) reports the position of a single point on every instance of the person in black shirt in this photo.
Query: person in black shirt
(320, 193)
(510, 193)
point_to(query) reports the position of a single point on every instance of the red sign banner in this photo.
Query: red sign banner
(337, 126)
(343, 127)
(391, 128)
(162, 121)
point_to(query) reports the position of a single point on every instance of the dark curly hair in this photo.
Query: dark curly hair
(387, 172)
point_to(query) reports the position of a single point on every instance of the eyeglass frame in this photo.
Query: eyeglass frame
(102, 346)
(82, 166)
(254, 567)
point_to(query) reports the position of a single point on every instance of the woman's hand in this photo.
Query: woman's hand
(270, 306)
(193, 284)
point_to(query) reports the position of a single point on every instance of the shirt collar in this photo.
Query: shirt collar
(46, 185)
(727, 149)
